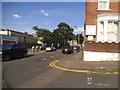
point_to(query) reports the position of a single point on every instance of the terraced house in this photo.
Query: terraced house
(102, 30)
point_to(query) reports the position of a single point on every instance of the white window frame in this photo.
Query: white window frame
(108, 4)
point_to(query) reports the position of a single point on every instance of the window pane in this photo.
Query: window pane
(102, 4)
(112, 33)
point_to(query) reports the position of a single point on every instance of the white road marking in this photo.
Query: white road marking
(44, 58)
(25, 73)
(102, 84)
(89, 80)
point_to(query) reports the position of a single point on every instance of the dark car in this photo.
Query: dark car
(67, 50)
(13, 51)
(77, 48)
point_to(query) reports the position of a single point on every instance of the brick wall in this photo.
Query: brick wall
(102, 47)
(92, 12)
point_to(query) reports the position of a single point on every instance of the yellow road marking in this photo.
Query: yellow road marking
(53, 64)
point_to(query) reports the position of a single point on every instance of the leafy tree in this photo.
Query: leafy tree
(63, 25)
(58, 37)
(45, 33)
(64, 32)
(26, 32)
(61, 35)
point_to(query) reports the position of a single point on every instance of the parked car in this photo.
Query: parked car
(67, 50)
(77, 48)
(13, 51)
(51, 48)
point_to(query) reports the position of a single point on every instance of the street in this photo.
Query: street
(63, 44)
(34, 72)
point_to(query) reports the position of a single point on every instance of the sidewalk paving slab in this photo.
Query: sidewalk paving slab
(76, 62)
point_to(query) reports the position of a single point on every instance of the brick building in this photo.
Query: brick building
(22, 38)
(5, 39)
(102, 30)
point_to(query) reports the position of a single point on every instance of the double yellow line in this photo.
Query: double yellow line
(53, 64)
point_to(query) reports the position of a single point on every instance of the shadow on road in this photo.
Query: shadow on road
(15, 59)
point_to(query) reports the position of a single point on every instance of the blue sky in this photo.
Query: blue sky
(22, 16)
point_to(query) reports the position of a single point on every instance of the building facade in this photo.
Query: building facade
(5, 39)
(38, 40)
(102, 30)
(73, 43)
(22, 38)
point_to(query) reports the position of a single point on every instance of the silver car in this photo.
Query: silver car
(52, 48)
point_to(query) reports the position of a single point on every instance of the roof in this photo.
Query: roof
(15, 31)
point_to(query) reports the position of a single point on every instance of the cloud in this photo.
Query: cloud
(17, 16)
(79, 30)
(44, 13)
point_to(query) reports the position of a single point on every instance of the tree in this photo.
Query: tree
(26, 32)
(58, 37)
(45, 33)
(61, 35)
(63, 25)
(64, 32)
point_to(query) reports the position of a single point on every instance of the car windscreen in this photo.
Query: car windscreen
(75, 46)
(6, 47)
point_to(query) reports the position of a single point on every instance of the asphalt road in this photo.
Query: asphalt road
(34, 72)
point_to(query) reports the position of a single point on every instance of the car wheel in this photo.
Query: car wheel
(6, 57)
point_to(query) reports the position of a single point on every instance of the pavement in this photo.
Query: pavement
(75, 62)
(34, 53)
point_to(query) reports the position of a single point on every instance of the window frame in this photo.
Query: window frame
(107, 7)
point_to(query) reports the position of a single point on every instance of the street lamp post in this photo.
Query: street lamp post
(78, 35)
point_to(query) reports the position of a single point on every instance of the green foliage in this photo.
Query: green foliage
(45, 33)
(63, 25)
(60, 36)
(65, 31)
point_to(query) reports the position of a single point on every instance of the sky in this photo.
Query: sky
(22, 16)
